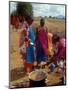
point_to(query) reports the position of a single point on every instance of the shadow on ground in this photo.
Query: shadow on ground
(16, 74)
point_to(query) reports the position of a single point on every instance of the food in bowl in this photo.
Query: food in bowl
(37, 75)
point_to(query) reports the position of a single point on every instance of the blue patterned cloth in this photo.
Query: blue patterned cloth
(30, 48)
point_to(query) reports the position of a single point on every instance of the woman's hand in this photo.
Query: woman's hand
(35, 63)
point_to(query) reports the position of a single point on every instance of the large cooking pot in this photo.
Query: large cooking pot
(37, 78)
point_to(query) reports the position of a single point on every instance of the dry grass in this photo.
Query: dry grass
(54, 26)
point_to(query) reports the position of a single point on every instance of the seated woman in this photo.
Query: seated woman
(59, 48)
(41, 42)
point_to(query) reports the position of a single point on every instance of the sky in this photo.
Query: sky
(43, 9)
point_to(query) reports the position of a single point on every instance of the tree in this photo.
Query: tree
(50, 16)
(14, 13)
(24, 8)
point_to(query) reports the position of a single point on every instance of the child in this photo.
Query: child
(23, 40)
(41, 43)
(52, 68)
(30, 49)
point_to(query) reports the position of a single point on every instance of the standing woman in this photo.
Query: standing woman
(30, 47)
(41, 43)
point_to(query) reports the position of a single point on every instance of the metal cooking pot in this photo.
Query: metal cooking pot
(39, 80)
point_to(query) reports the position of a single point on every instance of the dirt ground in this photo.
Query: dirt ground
(16, 64)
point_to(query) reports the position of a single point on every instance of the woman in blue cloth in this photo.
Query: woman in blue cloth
(30, 49)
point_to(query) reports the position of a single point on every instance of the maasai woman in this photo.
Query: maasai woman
(59, 48)
(41, 43)
(30, 48)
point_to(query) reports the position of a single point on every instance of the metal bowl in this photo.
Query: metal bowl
(37, 78)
